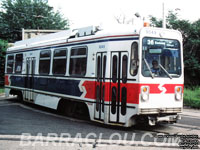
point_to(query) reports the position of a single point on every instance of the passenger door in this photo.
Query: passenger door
(100, 85)
(118, 87)
(29, 80)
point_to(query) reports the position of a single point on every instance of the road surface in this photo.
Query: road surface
(25, 126)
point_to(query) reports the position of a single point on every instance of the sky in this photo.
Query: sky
(94, 12)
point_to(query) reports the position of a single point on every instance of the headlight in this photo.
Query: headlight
(178, 93)
(145, 93)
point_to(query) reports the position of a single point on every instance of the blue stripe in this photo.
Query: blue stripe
(74, 44)
(60, 86)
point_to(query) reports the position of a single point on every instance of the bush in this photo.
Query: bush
(2, 90)
(192, 97)
(3, 47)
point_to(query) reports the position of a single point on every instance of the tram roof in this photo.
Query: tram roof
(73, 35)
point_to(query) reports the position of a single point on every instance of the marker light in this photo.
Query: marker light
(178, 89)
(178, 93)
(146, 24)
(144, 89)
(145, 93)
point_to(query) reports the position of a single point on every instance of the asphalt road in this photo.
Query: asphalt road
(25, 126)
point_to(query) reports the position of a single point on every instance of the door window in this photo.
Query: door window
(114, 69)
(124, 68)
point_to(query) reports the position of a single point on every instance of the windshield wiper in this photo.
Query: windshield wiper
(148, 68)
(165, 71)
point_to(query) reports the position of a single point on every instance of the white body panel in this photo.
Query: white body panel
(47, 101)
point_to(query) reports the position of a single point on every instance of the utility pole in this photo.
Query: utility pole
(164, 19)
(22, 33)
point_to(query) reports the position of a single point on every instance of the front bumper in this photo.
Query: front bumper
(169, 119)
(143, 111)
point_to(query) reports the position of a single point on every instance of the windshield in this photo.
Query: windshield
(160, 58)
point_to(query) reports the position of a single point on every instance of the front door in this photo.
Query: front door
(100, 85)
(29, 80)
(118, 87)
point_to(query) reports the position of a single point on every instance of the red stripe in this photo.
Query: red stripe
(6, 80)
(90, 87)
(133, 90)
(154, 88)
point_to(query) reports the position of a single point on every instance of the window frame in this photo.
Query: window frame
(66, 59)
(98, 68)
(78, 56)
(45, 58)
(104, 67)
(180, 49)
(124, 68)
(13, 64)
(136, 60)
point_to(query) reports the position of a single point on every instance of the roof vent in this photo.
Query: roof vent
(86, 31)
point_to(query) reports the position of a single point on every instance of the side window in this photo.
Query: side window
(45, 59)
(59, 61)
(18, 63)
(78, 61)
(10, 63)
(134, 59)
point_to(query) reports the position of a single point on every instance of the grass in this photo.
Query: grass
(192, 97)
(2, 90)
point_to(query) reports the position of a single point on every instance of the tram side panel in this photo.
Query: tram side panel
(103, 103)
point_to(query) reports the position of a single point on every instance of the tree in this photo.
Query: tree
(191, 44)
(3, 47)
(28, 14)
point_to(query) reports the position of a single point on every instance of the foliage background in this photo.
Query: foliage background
(28, 14)
(3, 47)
